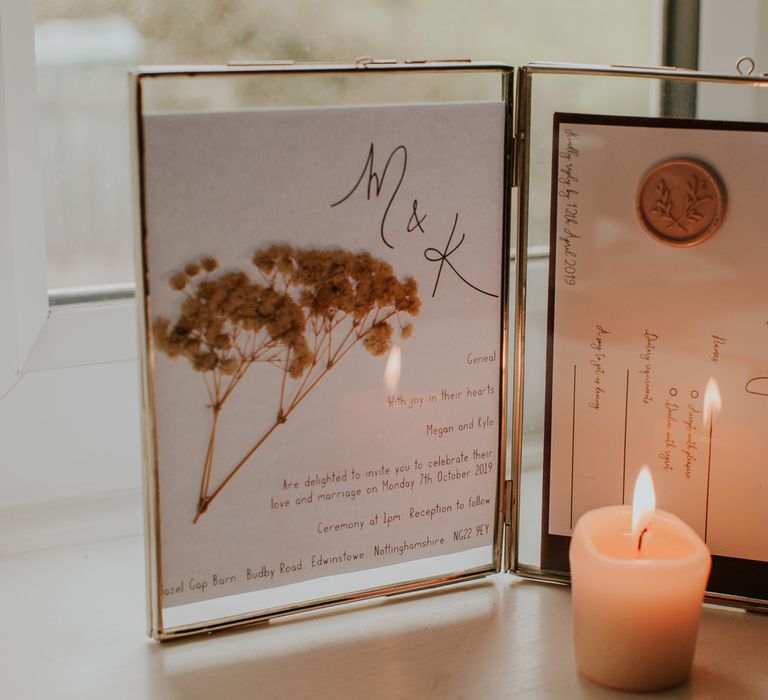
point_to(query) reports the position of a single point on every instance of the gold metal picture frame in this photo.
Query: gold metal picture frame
(517, 90)
(143, 83)
(528, 80)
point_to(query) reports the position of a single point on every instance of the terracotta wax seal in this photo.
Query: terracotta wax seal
(681, 202)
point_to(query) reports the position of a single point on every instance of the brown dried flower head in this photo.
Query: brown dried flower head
(338, 281)
(208, 263)
(218, 311)
(379, 339)
(178, 281)
(297, 288)
(301, 312)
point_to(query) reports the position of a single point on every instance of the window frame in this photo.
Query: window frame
(67, 328)
(37, 334)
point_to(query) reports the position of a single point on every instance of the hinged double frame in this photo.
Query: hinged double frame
(527, 119)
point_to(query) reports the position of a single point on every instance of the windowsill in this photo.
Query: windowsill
(67, 522)
(75, 614)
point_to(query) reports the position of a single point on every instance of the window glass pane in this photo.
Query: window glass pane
(85, 48)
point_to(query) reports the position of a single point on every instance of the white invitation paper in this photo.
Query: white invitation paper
(325, 297)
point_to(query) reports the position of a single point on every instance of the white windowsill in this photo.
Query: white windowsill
(68, 522)
(74, 619)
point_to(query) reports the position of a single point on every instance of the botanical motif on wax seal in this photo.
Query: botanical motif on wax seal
(681, 202)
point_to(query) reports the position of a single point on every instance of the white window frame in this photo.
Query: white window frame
(36, 335)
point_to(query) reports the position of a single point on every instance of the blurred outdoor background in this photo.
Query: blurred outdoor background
(86, 47)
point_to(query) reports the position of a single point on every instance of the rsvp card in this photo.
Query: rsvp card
(658, 326)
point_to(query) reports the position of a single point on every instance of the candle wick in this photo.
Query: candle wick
(640, 539)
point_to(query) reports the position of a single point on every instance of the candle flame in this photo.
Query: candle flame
(712, 401)
(392, 370)
(643, 501)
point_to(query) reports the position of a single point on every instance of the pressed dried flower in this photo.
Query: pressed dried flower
(230, 366)
(222, 342)
(205, 361)
(178, 281)
(160, 332)
(290, 317)
(378, 339)
(208, 263)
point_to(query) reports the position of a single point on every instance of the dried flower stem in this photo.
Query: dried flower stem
(208, 464)
(297, 399)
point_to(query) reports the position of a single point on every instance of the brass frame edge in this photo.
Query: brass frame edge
(149, 442)
(534, 573)
(501, 536)
(522, 161)
(755, 605)
(659, 72)
(251, 619)
(310, 68)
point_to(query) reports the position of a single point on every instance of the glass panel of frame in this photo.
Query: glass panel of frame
(646, 317)
(324, 286)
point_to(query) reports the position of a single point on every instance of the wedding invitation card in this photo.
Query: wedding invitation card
(325, 295)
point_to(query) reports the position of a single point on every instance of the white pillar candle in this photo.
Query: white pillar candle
(636, 609)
